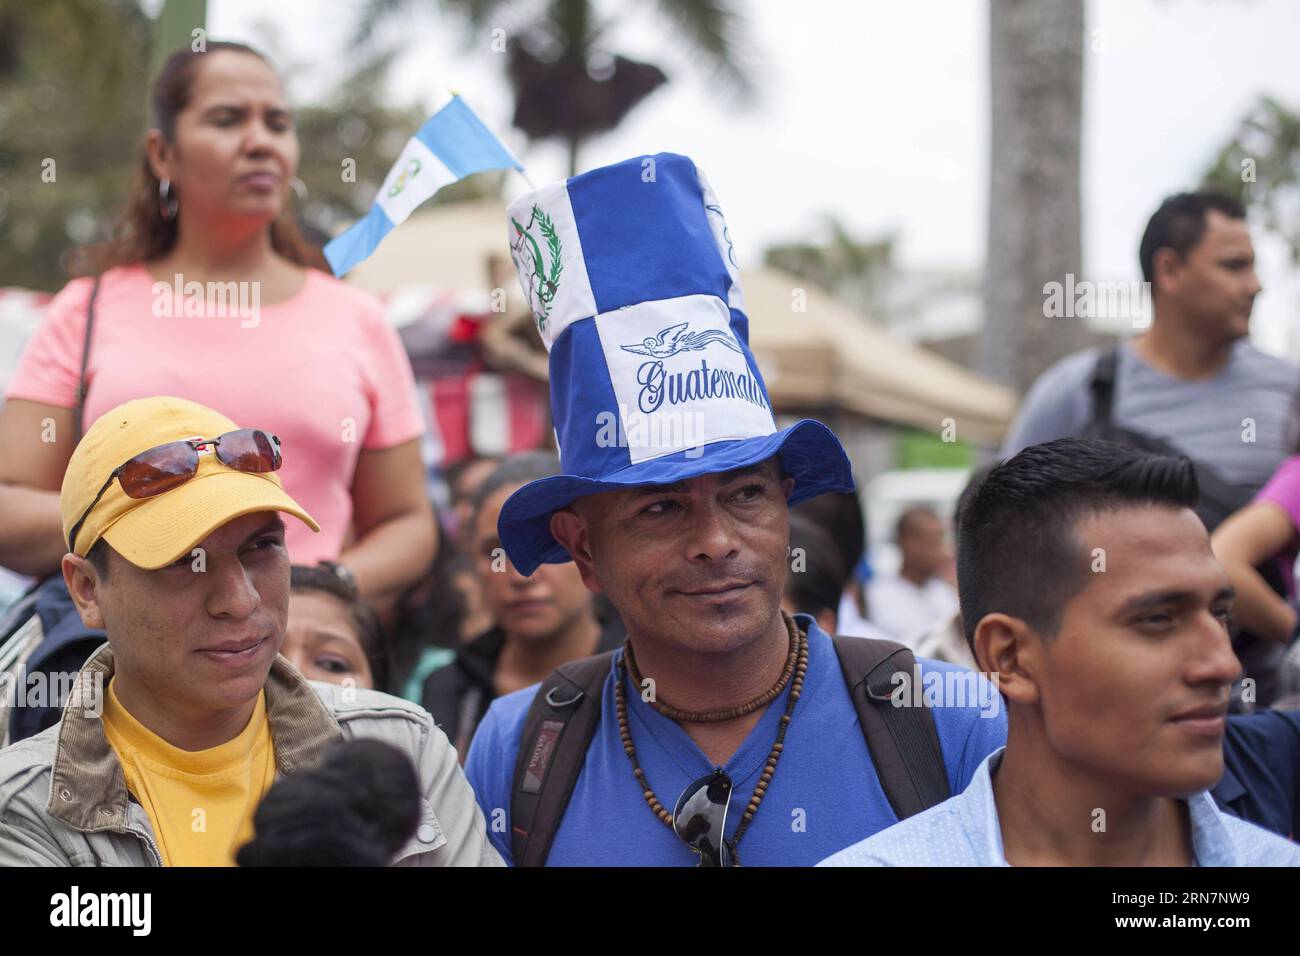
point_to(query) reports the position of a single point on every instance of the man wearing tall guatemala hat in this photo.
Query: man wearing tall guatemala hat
(179, 725)
(723, 731)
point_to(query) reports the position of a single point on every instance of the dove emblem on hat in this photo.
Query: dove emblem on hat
(676, 338)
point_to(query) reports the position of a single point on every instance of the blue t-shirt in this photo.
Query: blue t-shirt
(823, 797)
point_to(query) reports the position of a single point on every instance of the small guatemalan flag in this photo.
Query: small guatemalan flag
(452, 144)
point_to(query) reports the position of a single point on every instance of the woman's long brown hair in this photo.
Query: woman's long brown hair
(141, 233)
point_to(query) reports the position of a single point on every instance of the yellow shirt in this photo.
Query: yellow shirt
(201, 802)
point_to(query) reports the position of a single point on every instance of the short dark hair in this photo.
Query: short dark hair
(1017, 551)
(1179, 224)
(838, 514)
(98, 556)
(515, 470)
(306, 578)
(818, 586)
(452, 473)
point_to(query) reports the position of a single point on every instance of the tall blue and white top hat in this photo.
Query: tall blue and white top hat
(632, 279)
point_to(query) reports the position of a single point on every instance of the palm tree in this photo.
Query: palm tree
(1034, 231)
(1260, 165)
(72, 104)
(95, 45)
(567, 84)
(854, 271)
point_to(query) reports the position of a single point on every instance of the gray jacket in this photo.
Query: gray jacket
(64, 801)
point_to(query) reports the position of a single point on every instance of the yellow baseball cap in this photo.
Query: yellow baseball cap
(153, 532)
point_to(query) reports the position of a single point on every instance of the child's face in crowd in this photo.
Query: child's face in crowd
(531, 608)
(200, 640)
(321, 640)
(467, 485)
(1134, 687)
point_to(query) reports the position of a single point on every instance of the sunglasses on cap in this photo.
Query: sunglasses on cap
(165, 467)
(700, 818)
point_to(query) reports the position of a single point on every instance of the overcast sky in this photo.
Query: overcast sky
(877, 111)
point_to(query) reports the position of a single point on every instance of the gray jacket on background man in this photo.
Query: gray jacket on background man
(64, 801)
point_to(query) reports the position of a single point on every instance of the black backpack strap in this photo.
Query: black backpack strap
(1218, 497)
(1103, 387)
(79, 411)
(903, 741)
(552, 751)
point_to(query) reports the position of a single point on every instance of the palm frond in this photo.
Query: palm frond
(375, 14)
(718, 30)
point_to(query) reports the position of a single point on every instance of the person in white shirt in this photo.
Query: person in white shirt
(910, 603)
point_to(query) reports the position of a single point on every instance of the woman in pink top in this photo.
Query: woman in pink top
(1266, 530)
(269, 340)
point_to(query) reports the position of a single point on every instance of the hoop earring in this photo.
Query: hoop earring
(168, 204)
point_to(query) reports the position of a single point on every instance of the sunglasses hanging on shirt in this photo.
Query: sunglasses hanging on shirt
(700, 818)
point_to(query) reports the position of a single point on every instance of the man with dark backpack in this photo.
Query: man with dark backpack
(723, 731)
(1190, 384)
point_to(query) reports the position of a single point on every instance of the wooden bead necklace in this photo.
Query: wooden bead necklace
(796, 669)
(730, 713)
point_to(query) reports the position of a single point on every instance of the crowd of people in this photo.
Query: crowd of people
(661, 646)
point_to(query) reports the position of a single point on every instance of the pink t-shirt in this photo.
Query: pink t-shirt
(323, 370)
(1283, 489)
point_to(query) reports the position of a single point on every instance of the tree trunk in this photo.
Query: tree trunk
(575, 144)
(1034, 231)
(174, 29)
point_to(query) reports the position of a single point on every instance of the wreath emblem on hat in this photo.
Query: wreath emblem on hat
(539, 271)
